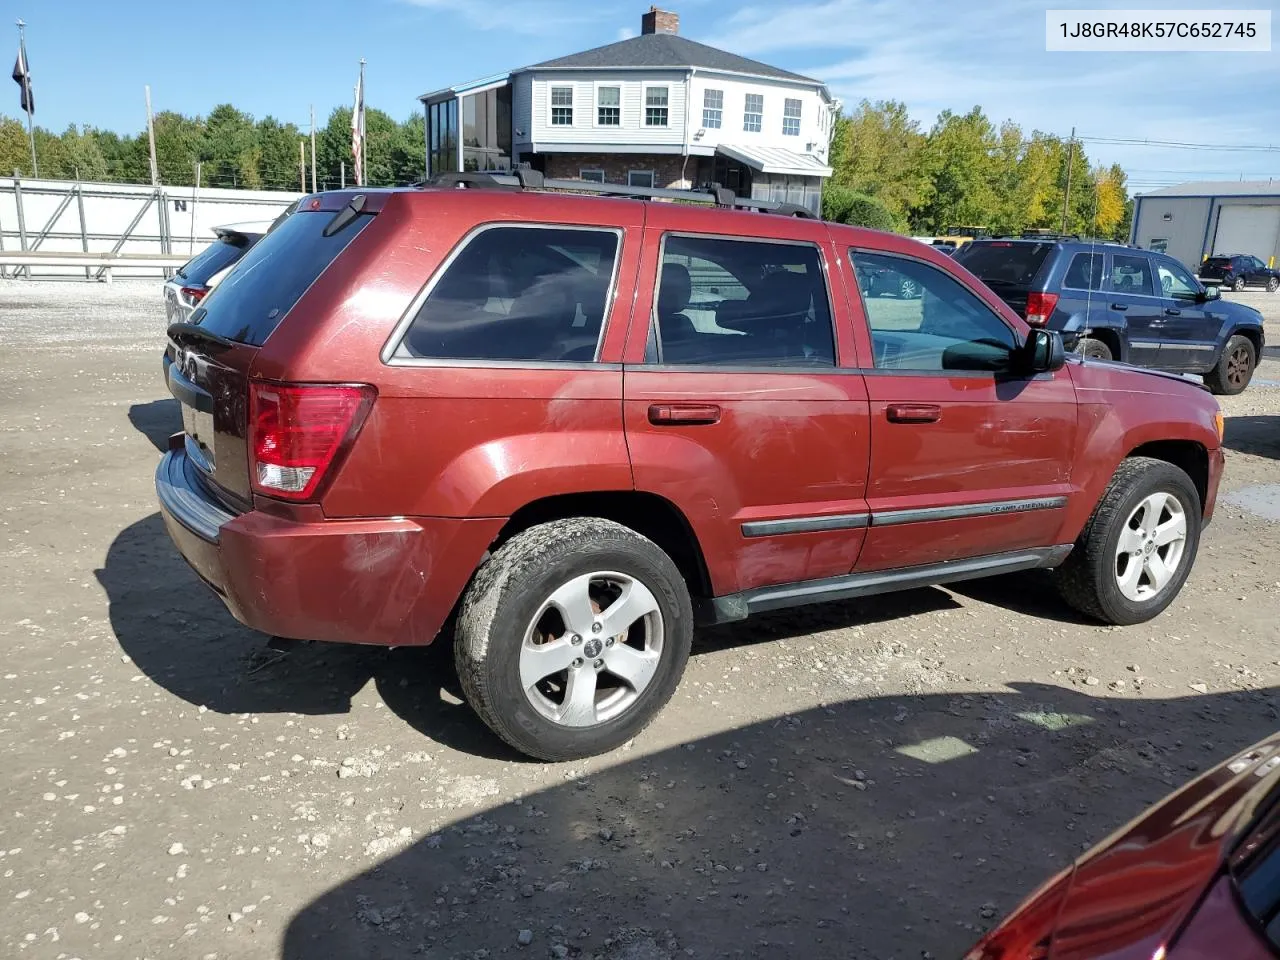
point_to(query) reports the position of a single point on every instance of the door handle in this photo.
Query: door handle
(1122, 307)
(687, 414)
(1171, 312)
(914, 413)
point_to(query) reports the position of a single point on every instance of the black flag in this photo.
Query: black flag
(22, 77)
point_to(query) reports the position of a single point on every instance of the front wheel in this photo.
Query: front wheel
(908, 289)
(572, 637)
(1273, 284)
(1235, 367)
(1137, 549)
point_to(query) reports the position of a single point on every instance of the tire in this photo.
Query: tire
(1273, 284)
(1238, 285)
(507, 612)
(908, 289)
(1095, 349)
(1235, 367)
(1096, 581)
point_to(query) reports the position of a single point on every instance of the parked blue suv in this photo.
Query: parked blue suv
(1115, 302)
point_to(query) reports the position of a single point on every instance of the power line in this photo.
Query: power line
(1185, 145)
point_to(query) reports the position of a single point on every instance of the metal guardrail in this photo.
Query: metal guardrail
(104, 261)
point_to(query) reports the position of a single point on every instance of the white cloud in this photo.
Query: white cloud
(937, 55)
(625, 33)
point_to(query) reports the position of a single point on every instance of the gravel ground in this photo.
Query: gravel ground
(875, 779)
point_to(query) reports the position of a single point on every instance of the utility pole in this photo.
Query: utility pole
(24, 78)
(1066, 196)
(302, 163)
(151, 138)
(342, 174)
(313, 147)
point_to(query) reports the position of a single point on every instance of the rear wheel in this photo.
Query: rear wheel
(1137, 549)
(1094, 349)
(1235, 367)
(572, 637)
(1238, 285)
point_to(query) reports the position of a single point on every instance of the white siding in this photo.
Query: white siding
(813, 128)
(521, 106)
(632, 130)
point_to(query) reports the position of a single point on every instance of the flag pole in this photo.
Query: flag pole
(26, 86)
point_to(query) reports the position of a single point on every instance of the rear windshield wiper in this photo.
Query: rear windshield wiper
(345, 216)
(178, 331)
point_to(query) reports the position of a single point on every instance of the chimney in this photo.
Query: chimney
(659, 21)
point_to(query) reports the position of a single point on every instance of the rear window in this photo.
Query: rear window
(221, 253)
(1218, 262)
(1004, 264)
(274, 274)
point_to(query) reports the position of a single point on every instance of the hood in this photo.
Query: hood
(1138, 371)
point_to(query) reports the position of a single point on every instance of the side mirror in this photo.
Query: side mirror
(1044, 351)
(1211, 292)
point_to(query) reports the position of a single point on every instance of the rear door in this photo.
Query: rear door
(1131, 294)
(208, 359)
(742, 400)
(1189, 337)
(967, 459)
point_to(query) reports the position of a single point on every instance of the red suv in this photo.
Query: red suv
(571, 426)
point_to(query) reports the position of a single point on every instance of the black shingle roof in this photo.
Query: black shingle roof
(666, 50)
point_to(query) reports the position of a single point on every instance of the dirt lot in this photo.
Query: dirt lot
(876, 779)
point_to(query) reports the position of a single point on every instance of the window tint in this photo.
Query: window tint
(594, 176)
(1174, 281)
(518, 293)
(1085, 272)
(250, 303)
(940, 325)
(203, 265)
(738, 302)
(1255, 868)
(1131, 275)
(1257, 264)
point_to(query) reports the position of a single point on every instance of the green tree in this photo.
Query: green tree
(408, 150)
(278, 164)
(83, 155)
(229, 149)
(843, 205)
(179, 143)
(15, 154)
(959, 157)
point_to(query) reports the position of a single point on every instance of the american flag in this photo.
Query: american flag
(357, 130)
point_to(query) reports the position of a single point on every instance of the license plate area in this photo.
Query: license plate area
(198, 427)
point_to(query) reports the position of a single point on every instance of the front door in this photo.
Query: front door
(967, 459)
(1189, 337)
(1132, 293)
(736, 405)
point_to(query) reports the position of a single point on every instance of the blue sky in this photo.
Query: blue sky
(90, 60)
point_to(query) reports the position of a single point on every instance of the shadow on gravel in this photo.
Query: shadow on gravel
(893, 827)
(1259, 435)
(157, 420)
(1030, 593)
(181, 636)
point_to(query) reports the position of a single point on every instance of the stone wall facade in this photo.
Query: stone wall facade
(666, 167)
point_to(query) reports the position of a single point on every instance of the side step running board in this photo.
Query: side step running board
(739, 606)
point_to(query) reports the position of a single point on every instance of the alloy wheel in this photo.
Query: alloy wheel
(592, 649)
(1239, 367)
(1151, 547)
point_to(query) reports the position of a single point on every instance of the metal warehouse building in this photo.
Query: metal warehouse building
(1195, 220)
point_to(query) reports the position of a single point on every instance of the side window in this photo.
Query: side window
(1131, 275)
(518, 293)
(1257, 264)
(923, 319)
(1085, 272)
(1176, 282)
(741, 303)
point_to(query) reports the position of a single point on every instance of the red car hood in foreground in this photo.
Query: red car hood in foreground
(1128, 897)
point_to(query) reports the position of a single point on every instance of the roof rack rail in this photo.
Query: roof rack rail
(525, 178)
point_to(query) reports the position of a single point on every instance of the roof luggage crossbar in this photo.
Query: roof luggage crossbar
(525, 178)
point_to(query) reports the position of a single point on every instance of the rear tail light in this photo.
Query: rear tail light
(1040, 307)
(298, 432)
(1027, 933)
(193, 295)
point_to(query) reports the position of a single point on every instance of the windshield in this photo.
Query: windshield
(250, 303)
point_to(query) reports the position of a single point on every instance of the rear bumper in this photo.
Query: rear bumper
(389, 582)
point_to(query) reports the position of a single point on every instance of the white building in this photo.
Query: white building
(1192, 221)
(655, 110)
